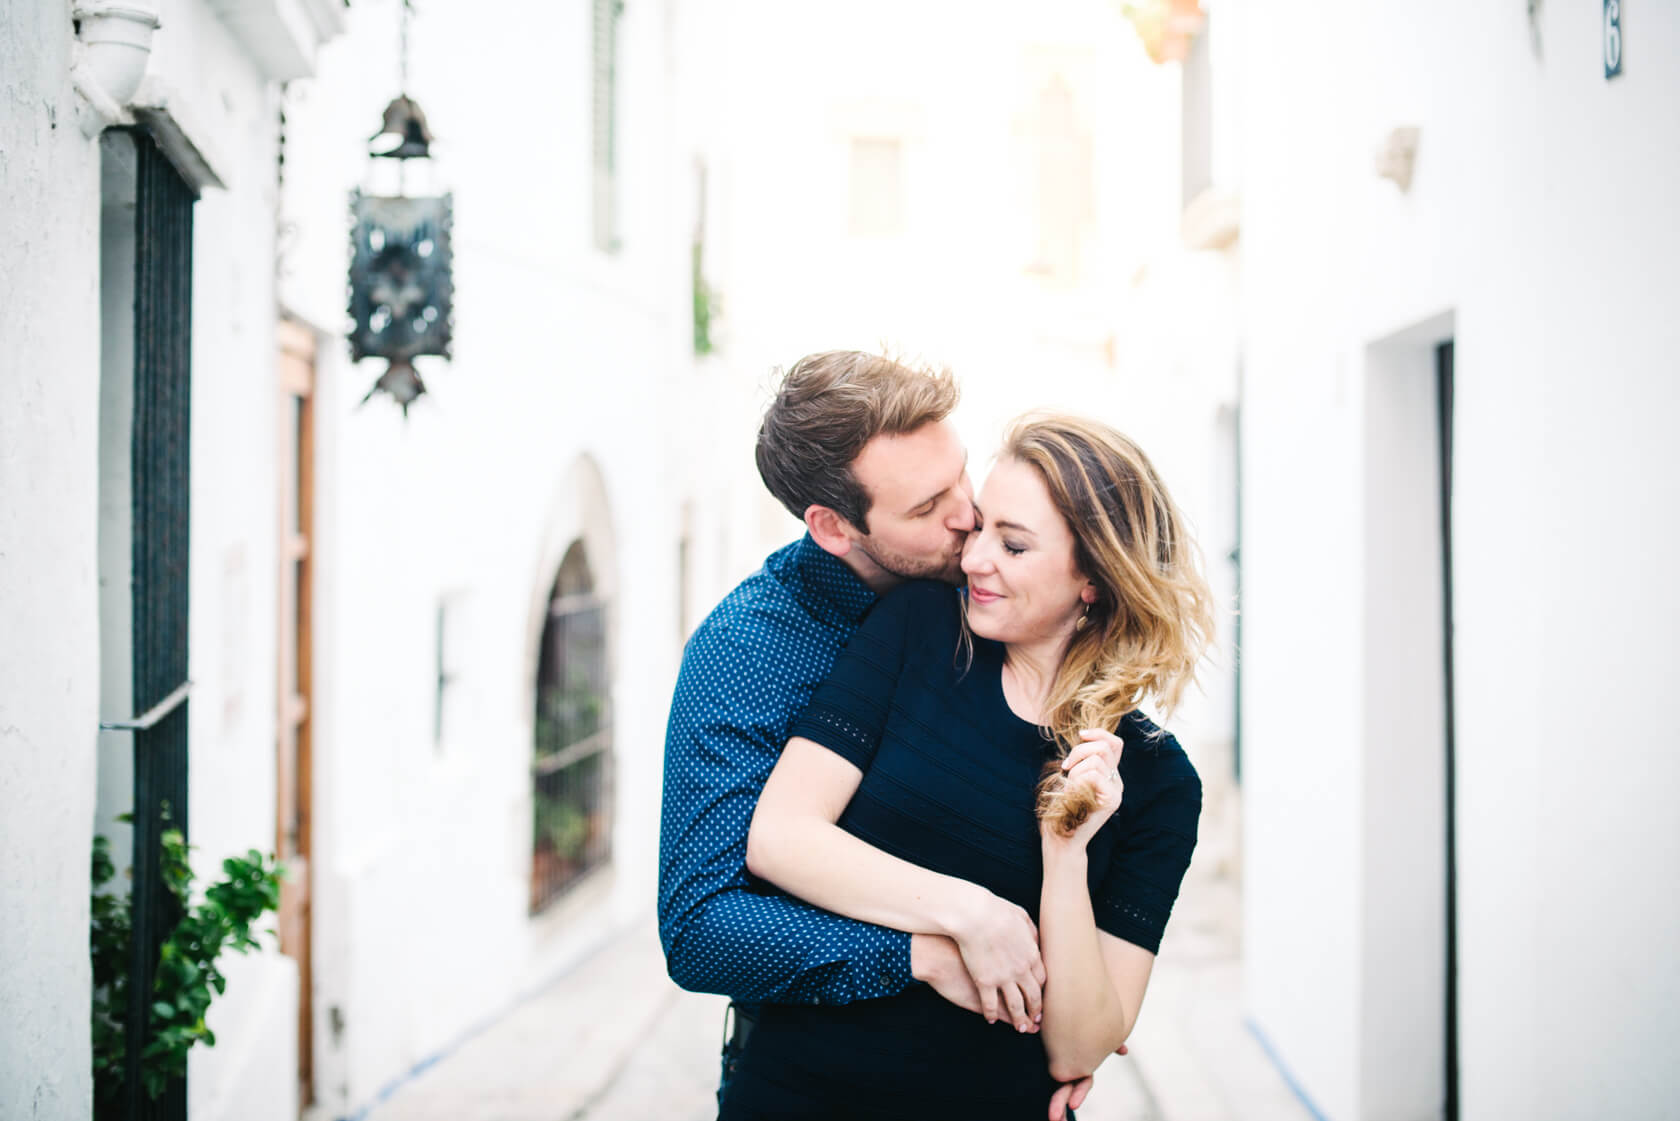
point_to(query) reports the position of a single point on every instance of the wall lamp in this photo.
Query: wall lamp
(115, 41)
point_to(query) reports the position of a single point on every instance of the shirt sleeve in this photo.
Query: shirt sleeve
(723, 931)
(1135, 896)
(848, 712)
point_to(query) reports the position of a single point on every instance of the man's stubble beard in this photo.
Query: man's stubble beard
(906, 567)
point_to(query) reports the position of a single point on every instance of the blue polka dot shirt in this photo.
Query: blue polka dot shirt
(747, 673)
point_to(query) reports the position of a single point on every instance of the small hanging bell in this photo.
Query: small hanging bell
(404, 134)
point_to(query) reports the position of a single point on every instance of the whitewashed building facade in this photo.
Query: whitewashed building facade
(524, 522)
(1477, 197)
(101, 241)
(370, 602)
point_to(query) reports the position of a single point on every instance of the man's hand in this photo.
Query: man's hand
(1071, 1095)
(936, 960)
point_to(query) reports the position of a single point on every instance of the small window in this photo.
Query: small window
(705, 300)
(1197, 116)
(447, 645)
(877, 187)
(1064, 185)
(604, 125)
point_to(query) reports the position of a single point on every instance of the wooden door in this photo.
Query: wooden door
(296, 578)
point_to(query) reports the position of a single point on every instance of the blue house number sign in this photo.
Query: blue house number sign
(1612, 38)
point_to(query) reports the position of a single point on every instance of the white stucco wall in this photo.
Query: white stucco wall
(550, 422)
(49, 661)
(1540, 220)
(234, 550)
(52, 425)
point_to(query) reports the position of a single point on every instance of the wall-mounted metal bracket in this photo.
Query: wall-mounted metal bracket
(150, 718)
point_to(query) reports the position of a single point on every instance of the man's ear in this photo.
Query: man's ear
(828, 529)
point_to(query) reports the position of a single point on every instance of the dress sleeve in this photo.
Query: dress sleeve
(848, 711)
(1135, 896)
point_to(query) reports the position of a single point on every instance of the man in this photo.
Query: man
(859, 448)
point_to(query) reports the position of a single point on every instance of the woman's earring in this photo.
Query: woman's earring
(1083, 619)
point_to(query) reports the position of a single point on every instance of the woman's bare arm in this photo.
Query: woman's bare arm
(1096, 981)
(795, 844)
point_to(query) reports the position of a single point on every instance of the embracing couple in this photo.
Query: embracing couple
(923, 837)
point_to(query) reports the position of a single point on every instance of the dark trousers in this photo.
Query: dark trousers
(755, 1099)
(738, 1023)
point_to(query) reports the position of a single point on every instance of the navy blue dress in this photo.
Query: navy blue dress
(949, 773)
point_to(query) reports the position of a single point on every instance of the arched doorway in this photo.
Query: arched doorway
(571, 764)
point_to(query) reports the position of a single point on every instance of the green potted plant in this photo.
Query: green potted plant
(187, 977)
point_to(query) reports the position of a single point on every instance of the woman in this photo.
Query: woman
(961, 773)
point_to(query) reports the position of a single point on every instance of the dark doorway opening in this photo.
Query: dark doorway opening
(1444, 443)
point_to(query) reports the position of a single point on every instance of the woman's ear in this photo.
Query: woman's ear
(1088, 594)
(828, 530)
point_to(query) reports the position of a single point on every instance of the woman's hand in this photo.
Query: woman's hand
(1094, 763)
(999, 946)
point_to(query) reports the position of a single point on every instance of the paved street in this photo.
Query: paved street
(610, 1026)
(614, 1040)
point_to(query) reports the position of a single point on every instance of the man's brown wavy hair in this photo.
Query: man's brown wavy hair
(826, 408)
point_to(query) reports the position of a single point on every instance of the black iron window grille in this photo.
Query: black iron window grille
(161, 474)
(571, 766)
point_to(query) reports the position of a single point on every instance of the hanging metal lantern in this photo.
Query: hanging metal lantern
(401, 288)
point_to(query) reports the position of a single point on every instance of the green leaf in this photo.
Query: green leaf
(186, 979)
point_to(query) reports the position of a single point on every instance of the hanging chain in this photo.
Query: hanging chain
(402, 47)
(402, 85)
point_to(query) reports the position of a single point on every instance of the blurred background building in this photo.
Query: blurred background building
(1381, 287)
(140, 412)
(1457, 222)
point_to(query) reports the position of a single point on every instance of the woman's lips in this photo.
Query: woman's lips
(981, 595)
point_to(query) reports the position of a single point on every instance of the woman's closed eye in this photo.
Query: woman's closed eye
(1013, 549)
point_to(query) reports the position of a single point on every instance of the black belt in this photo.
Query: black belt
(738, 1024)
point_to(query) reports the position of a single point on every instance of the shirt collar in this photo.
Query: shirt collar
(826, 587)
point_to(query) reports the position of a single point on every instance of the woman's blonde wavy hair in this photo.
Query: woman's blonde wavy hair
(1153, 617)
